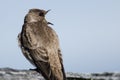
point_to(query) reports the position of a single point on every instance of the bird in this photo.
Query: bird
(40, 45)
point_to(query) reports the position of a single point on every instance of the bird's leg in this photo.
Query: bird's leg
(33, 69)
(36, 69)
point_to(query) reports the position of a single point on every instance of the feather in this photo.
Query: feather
(40, 45)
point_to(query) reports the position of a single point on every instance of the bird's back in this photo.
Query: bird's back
(40, 45)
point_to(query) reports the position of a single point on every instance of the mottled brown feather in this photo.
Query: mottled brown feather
(40, 45)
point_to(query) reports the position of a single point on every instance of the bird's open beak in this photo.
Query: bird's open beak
(47, 11)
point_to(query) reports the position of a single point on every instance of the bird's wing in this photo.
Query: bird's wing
(41, 60)
(61, 61)
(47, 60)
(38, 57)
(50, 69)
(24, 50)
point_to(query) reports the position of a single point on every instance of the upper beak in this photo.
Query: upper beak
(47, 11)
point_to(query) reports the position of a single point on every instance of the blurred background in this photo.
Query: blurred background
(89, 33)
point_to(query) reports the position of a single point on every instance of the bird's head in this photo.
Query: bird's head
(35, 15)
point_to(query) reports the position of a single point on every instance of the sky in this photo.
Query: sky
(88, 30)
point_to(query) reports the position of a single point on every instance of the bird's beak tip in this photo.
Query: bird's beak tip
(48, 11)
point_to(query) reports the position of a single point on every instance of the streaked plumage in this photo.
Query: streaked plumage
(40, 45)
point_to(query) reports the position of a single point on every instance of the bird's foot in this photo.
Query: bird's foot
(33, 69)
(36, 69)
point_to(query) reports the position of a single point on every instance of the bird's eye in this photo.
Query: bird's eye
(41, 14)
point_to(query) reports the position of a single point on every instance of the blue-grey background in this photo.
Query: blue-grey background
(89, 32)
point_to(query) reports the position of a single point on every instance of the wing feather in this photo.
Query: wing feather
(42, 50)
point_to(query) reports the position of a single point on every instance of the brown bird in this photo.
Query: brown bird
(40, 45)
